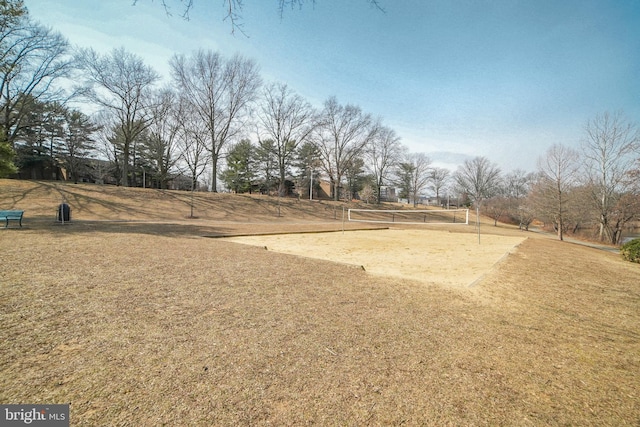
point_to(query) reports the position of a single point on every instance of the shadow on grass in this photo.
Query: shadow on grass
(188, 227)
(171, 229)
(16, 199)
(78, 198)
(79, 227)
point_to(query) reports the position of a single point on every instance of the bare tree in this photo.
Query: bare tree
(220, 92)
(343, 133)
(414, 174)
(526, 214)
(32, 59)
(478, 178)
(109, 146)
(383, 154)
(121, 84)
(498, 204)
(192, 143)
(609, 150)
(518, 184)
(163, 133)
(438, 179)
(558, 175)
(288, 120)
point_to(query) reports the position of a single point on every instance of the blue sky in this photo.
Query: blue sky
(454, 78)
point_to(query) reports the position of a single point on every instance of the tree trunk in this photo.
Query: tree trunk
(560, 227)
(125, 165)
(214, 174)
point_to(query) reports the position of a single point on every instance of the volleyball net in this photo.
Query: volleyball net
(407, 216)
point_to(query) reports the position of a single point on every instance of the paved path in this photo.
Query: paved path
(600, 246)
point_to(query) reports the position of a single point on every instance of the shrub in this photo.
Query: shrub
(631, 251)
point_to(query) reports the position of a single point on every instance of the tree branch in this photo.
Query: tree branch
(233, 9)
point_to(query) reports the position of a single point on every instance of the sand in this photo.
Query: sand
(428, 256)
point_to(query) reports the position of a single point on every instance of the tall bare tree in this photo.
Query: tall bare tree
(383, 154)
(558, 175)
(32, 59)
(343, 133)
(413, 175)
(438, 180)
(288, 120)
(192, 145)
(609, 149)
(220, 92)
(518, 184)
(498, 204)
(478, 178)
(121, 84)
(162, 135)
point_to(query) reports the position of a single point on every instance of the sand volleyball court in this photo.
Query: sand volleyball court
(430, 256)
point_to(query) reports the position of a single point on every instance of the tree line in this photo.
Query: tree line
(217, 122)
(595, 187)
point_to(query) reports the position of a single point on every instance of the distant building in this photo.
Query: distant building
(323, 190)
(388, 194)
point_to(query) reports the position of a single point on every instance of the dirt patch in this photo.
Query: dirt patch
(430, 256)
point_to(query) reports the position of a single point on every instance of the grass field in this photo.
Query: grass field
(132, 317)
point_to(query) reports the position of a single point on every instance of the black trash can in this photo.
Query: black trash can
(64, 213)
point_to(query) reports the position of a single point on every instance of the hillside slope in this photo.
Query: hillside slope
(40, 199)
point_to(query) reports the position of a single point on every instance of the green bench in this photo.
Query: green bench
(11, 215)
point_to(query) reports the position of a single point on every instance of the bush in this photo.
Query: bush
(631, 251)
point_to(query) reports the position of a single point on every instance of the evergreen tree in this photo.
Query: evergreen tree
(355, 178)
(307, 162)
(240, 173)
(267, 164)
(37, 149)
(78, 142)
(404, 178)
